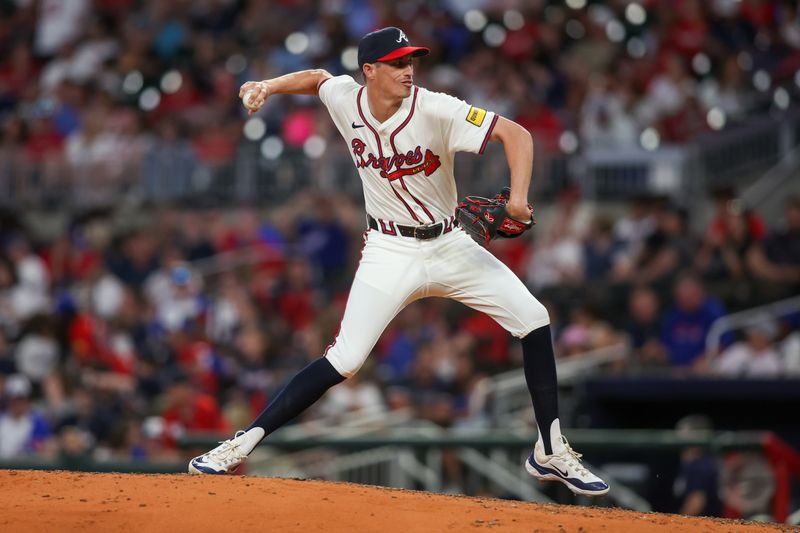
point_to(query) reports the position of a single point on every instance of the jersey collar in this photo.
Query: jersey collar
(395, 120)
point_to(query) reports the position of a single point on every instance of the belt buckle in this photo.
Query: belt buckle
(420, 232)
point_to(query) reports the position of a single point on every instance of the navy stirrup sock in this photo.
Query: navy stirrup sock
(540, 374)
(300, 393)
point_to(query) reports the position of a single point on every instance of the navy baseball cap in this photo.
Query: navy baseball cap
(386, 44)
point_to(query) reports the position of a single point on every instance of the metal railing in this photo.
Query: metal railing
(746, 149)
(398, 464)
(772, 180)
(385, 466)
(175, 174)
(748, 317)
(768, 193)
(412, 457)
(389, 465)
(508, 392)
(627, 172)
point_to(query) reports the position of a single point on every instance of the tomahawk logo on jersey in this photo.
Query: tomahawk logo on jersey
(410, 160)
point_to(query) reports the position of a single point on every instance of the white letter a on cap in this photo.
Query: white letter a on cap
(402, 37)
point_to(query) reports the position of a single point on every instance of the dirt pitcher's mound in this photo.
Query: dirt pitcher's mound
(65, 501)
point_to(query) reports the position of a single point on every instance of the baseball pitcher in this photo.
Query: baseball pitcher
(421, 241)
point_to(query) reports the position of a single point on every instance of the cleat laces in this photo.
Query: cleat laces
(228, 451)
(573, 458)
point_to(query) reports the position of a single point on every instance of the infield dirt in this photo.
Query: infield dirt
(33, 501)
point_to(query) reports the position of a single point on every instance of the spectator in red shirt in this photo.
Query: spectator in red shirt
(725, 202)
(187, 410)
(490, 342)
(17, 73)
(296, 302)
(215, 145)
(70, 258)
(183, 101)
(542, 122)
(43, 140)
(688, 34)
(760, 13)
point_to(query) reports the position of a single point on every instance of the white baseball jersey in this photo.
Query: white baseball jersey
(406, 166)
(406, 162)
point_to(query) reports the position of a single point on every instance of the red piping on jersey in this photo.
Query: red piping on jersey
(404, 203)
(430, 216)
(380, 152)
(391, 141)
(320, 83)
(408, 118)
(488, 134)
(364, 119)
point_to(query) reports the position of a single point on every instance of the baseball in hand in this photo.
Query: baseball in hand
(249, 100)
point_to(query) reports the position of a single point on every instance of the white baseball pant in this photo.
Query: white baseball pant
(395, 271)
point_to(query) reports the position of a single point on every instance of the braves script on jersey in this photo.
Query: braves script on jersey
(406, 162)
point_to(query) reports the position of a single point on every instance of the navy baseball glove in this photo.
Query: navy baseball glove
(486, 218)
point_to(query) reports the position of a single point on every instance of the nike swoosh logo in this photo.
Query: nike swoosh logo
(357, 125)
(565, 474)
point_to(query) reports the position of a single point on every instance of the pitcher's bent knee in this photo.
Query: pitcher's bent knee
(536, 316)
(347, 366)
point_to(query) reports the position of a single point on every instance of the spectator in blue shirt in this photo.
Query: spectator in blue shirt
(687, 323)
(325, 241)
(23, 430)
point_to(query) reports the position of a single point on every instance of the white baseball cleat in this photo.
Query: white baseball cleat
(224, 459)
(565, 467)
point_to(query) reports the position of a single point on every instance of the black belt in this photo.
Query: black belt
(426, 232)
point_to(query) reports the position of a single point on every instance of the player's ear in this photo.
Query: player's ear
(369, 71)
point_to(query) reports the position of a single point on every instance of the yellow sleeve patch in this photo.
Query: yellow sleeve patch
(476, 116)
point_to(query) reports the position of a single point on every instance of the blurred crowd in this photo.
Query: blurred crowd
(121, 336)
(122, 333)
(115, 94)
